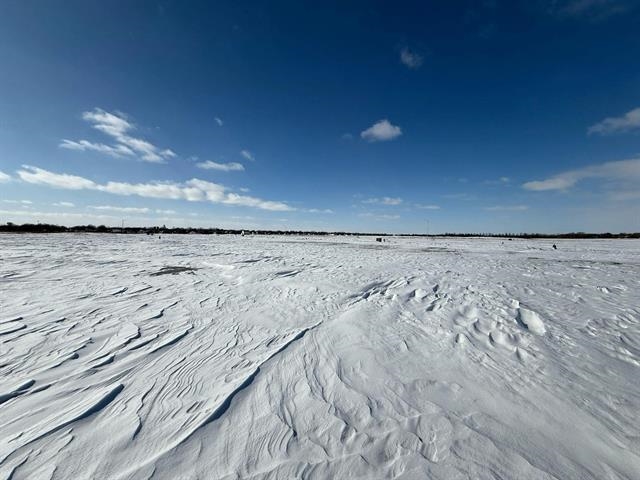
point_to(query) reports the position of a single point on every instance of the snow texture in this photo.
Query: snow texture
(134, 357)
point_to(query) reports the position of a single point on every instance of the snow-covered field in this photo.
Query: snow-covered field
(318, 357)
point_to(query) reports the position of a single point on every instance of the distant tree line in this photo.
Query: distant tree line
(10, 227)
(546, 235)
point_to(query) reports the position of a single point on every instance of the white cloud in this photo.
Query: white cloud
(319, 210)
(623, 170)
(629, 121)
(118, 127)
(507, 208)
(4, 177)
(427, 207)
(390, 201)
(219, 121)
(84, 145)
(21, 202)
(223, 167)
(247, 154)
(410, 59)
(381, 131)
(194, 190)
(63, 204)
(120, 209)
(166, 212)
(60, 180)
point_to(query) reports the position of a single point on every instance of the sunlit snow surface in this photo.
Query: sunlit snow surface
(318, 357)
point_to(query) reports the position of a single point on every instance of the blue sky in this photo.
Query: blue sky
(483, 116)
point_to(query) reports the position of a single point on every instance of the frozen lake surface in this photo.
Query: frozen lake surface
(133, 357)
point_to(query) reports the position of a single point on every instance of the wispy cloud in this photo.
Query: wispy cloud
(426, 207)
(623, 170)
(381, 131)
(626, 123)
(410, 59)
(507, 208)
(16, 202)
(589, 9)
(85, 145)
(625, 195)
(63, 204)
(319, 210)
(166, 212)
(56, 215)
(498, 181)
(111, 208)
(194, 190)
(219, 121)
(119, 128)
(459, 196)
(247, 154)
(390, 201)
(378, 216)
(223, 167)
(4, 177)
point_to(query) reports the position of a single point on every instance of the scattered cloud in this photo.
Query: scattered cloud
(166, 212)
(219, 121)
(119, 128)
(623, 170)
(390, 201)
(426, 207)
(507, 208)
(381, 131)
(18, 202)
(247, 154)
(120, 209)
(4, 177)
(194, 190)
(244, 189)
(629, 121)
(63, 204)
(410, 59)
(223, 167)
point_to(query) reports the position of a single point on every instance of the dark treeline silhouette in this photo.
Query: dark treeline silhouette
(10, 227)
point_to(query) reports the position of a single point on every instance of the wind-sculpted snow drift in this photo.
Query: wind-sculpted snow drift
(133, 357)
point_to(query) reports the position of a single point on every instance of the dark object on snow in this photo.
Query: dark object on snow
(169, 270)
(554, 247)
(378, 239)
